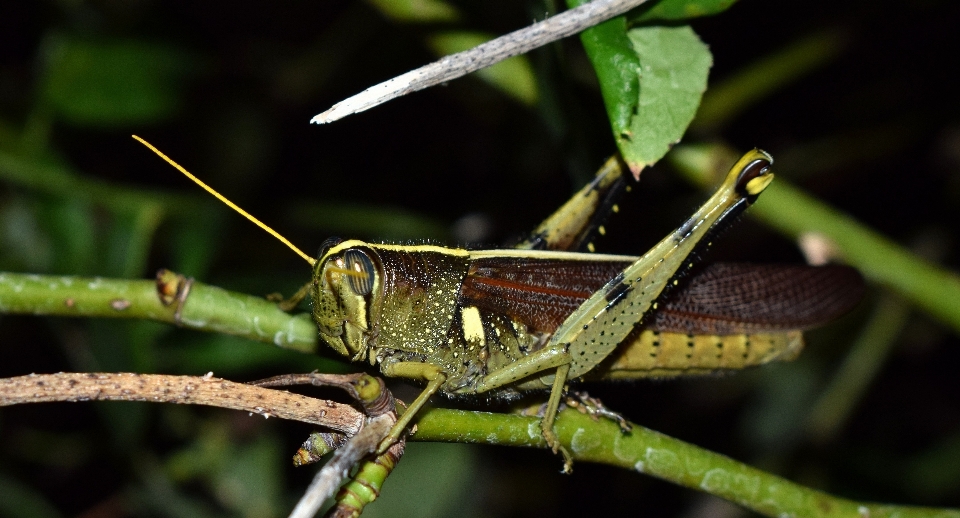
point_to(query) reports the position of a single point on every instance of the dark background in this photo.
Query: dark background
(873, 130)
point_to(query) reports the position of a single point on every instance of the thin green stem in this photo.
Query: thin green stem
(724, 101)
(859, 369)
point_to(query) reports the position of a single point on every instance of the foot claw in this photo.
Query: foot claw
(567, 462)
(592, 406)
(553, 442)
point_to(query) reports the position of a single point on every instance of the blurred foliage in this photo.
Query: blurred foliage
(855, 100)
(417, 10)
(112, 82)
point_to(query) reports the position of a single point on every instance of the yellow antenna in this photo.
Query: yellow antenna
(229, 203)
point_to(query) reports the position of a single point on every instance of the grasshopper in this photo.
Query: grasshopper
(502, 322)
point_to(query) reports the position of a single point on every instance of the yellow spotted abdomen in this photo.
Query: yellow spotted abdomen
(662, 354)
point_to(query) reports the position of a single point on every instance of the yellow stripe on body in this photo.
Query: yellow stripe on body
(551, 254)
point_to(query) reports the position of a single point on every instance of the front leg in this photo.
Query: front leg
(434, 377)
(291, 303)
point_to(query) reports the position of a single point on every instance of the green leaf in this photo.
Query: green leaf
(513, 76)
(678, 10)
(618, 70)
(417, 10)
(115, 82)
(652, 79)
(673, 77)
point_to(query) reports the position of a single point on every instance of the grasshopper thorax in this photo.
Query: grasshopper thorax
(347, 290)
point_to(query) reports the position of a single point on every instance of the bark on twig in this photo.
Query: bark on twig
(195, 390)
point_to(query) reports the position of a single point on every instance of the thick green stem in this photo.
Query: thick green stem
(658, 455)
(205, 307)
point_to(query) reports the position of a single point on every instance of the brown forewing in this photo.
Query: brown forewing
(731, 298)
(541, 293)
(722, 298)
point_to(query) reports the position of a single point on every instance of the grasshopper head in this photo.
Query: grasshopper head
(347, 285)
(346, 279)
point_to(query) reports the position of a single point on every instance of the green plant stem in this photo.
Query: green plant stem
(859, 369)
(658, 455)
(792, 212)
(207, 308)
(722, 102)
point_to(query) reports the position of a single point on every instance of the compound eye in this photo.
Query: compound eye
(362, 271)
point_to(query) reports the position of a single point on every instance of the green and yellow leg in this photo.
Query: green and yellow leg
(550, 417)
(412, 370)
(548, 358)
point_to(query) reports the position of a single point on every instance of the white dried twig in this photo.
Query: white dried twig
(453, 66)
